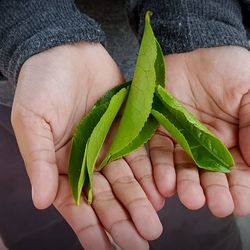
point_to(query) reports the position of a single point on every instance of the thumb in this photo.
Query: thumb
(244, 127)
(35, 141)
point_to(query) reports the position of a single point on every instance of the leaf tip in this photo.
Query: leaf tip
(149, 13)
(77, 200)
(90, 199)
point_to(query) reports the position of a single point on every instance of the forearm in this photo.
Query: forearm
(28, 27)
(184, 25)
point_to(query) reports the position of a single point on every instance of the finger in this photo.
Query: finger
(81, 218)
(244, 125)
(35, 141)
(113, 216)
(239, 183)
(161, 150)
(131, 195)
(140, 165)
(188, 181)
(219, 199)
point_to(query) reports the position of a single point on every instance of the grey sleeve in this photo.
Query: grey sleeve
(28, 27)
(184, 25)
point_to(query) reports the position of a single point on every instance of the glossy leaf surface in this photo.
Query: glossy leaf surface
(80, 138)
(78, 147)
(100, 132)
(140, 98)
(143, 137)
(206, 149)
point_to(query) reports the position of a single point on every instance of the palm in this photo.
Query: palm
(214, 84)
(55, 89)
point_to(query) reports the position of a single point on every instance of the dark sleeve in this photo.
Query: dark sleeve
(28, 27)
(246, 16)
(184, 25)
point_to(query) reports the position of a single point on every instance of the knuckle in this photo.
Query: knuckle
(65, 202)
(185, 165)
(41, 156)
(145, 178)
(124, 180)
(160, 164)
(138, 202)
(161, 148)
(142, 158)
(106, 195)
(83, 228)
(118, 223)
(185, 181)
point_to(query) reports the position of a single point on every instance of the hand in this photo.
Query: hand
(54, 90)
(213, 84)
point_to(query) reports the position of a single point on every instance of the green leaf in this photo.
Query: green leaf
(82, 177)
(79, 141)
(78, 147)
(145, 134)
(151, 124)
(100, 132)
(160, 71)
(207, 151)
(140, 98)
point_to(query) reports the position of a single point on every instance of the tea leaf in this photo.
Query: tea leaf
(79, 141)
(206, 149)
(82, 177)
(151, 124)
(100, 132)
(159, 66)
(145, 134)
(81, 135)
(140, 98)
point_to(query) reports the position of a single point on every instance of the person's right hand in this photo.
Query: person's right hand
(55, 89)
(214, 84)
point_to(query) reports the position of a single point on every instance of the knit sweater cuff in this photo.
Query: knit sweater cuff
(184, 25)
(30, 26)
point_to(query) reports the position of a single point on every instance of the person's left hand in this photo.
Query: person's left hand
(214, 84)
